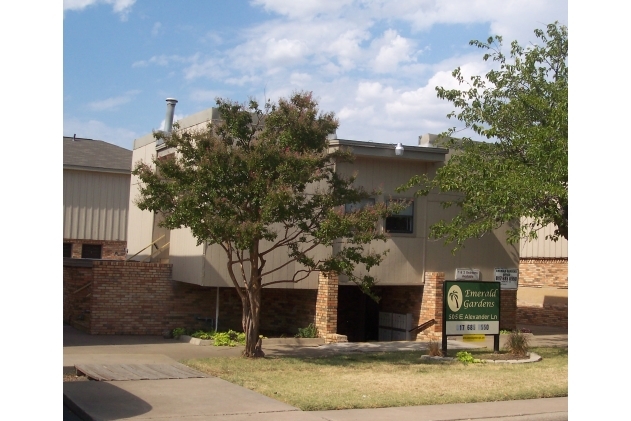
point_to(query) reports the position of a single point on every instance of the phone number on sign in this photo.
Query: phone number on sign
(472, 327)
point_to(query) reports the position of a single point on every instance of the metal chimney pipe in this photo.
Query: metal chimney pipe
(168, 120)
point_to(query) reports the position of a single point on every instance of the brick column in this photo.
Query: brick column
(326, 308)
(432, 305)
(508, 309)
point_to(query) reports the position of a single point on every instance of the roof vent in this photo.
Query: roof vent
(168, 120)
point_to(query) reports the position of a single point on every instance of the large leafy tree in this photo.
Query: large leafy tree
(263, 181)
(519, 178)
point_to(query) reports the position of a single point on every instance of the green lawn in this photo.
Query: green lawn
(374, 380)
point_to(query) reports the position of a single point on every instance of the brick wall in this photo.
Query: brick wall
(111, 250)
(77, 290)
(432, 305)
(539, 277)
(508, 309)
(543, 273)
(141, 298)
(556, 316)
(326, 305)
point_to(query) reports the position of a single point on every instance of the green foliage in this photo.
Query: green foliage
(179, 331)
(201, 334)
(466, 358)
(517, 343)
(229, 338)
(521, 106)
(263, 181)
(307, 332)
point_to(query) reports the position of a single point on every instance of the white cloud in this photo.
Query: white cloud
(300, 79)
(285, 51)
(157, 28)
(303, 8)
(212, 68)
(122, 7)
(94, 129)
(202, 95)
(394, 49)
(165, 60)
(112, 103)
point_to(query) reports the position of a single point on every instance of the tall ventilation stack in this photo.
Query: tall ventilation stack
(168, 120)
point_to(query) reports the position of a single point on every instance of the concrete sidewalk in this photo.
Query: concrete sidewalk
(215, 399)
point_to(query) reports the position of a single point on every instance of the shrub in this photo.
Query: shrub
(466, 358)
(229, 338)
(307, 332)
(433, 349)
(178, 331)
(200, 334)
(517, 344)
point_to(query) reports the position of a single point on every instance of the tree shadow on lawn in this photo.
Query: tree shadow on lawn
(402, 358)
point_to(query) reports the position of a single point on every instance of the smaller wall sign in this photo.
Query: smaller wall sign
(467, 274)
(508, 278)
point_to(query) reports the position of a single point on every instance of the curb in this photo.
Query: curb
(294, 341)
(533, 359)
(195, 341)
(267, 341)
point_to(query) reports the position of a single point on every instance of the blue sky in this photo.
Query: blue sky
(374, 63)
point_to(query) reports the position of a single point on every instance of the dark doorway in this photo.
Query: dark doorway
(357, 315)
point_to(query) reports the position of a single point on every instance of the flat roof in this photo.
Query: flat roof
(387, 150)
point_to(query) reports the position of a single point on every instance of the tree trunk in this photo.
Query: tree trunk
(251, 317)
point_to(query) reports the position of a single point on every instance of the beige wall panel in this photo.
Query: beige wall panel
(542, 247)
(215, 268)
(95, 205)
(486, 253)
(541, 296)
(401, 266)
(140, 222)
(383, 174)
(140, 228)
(186, 256)
(216, 271)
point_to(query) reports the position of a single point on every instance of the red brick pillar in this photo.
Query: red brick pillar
(432, 305)
(508, 309)
(326, 308)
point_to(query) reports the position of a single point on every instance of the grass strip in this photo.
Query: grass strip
(389, 379)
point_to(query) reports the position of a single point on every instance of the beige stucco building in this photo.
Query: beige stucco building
(401, 276)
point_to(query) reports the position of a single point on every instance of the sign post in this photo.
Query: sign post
(471, 307)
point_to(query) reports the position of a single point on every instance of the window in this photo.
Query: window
(91, 251)
(354, 207)
(402, 222)
(67, 249)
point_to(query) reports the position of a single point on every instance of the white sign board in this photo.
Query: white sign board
(507, 277)
(467, 274)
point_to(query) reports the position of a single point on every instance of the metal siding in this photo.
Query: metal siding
(95, 205)
(542, 248)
